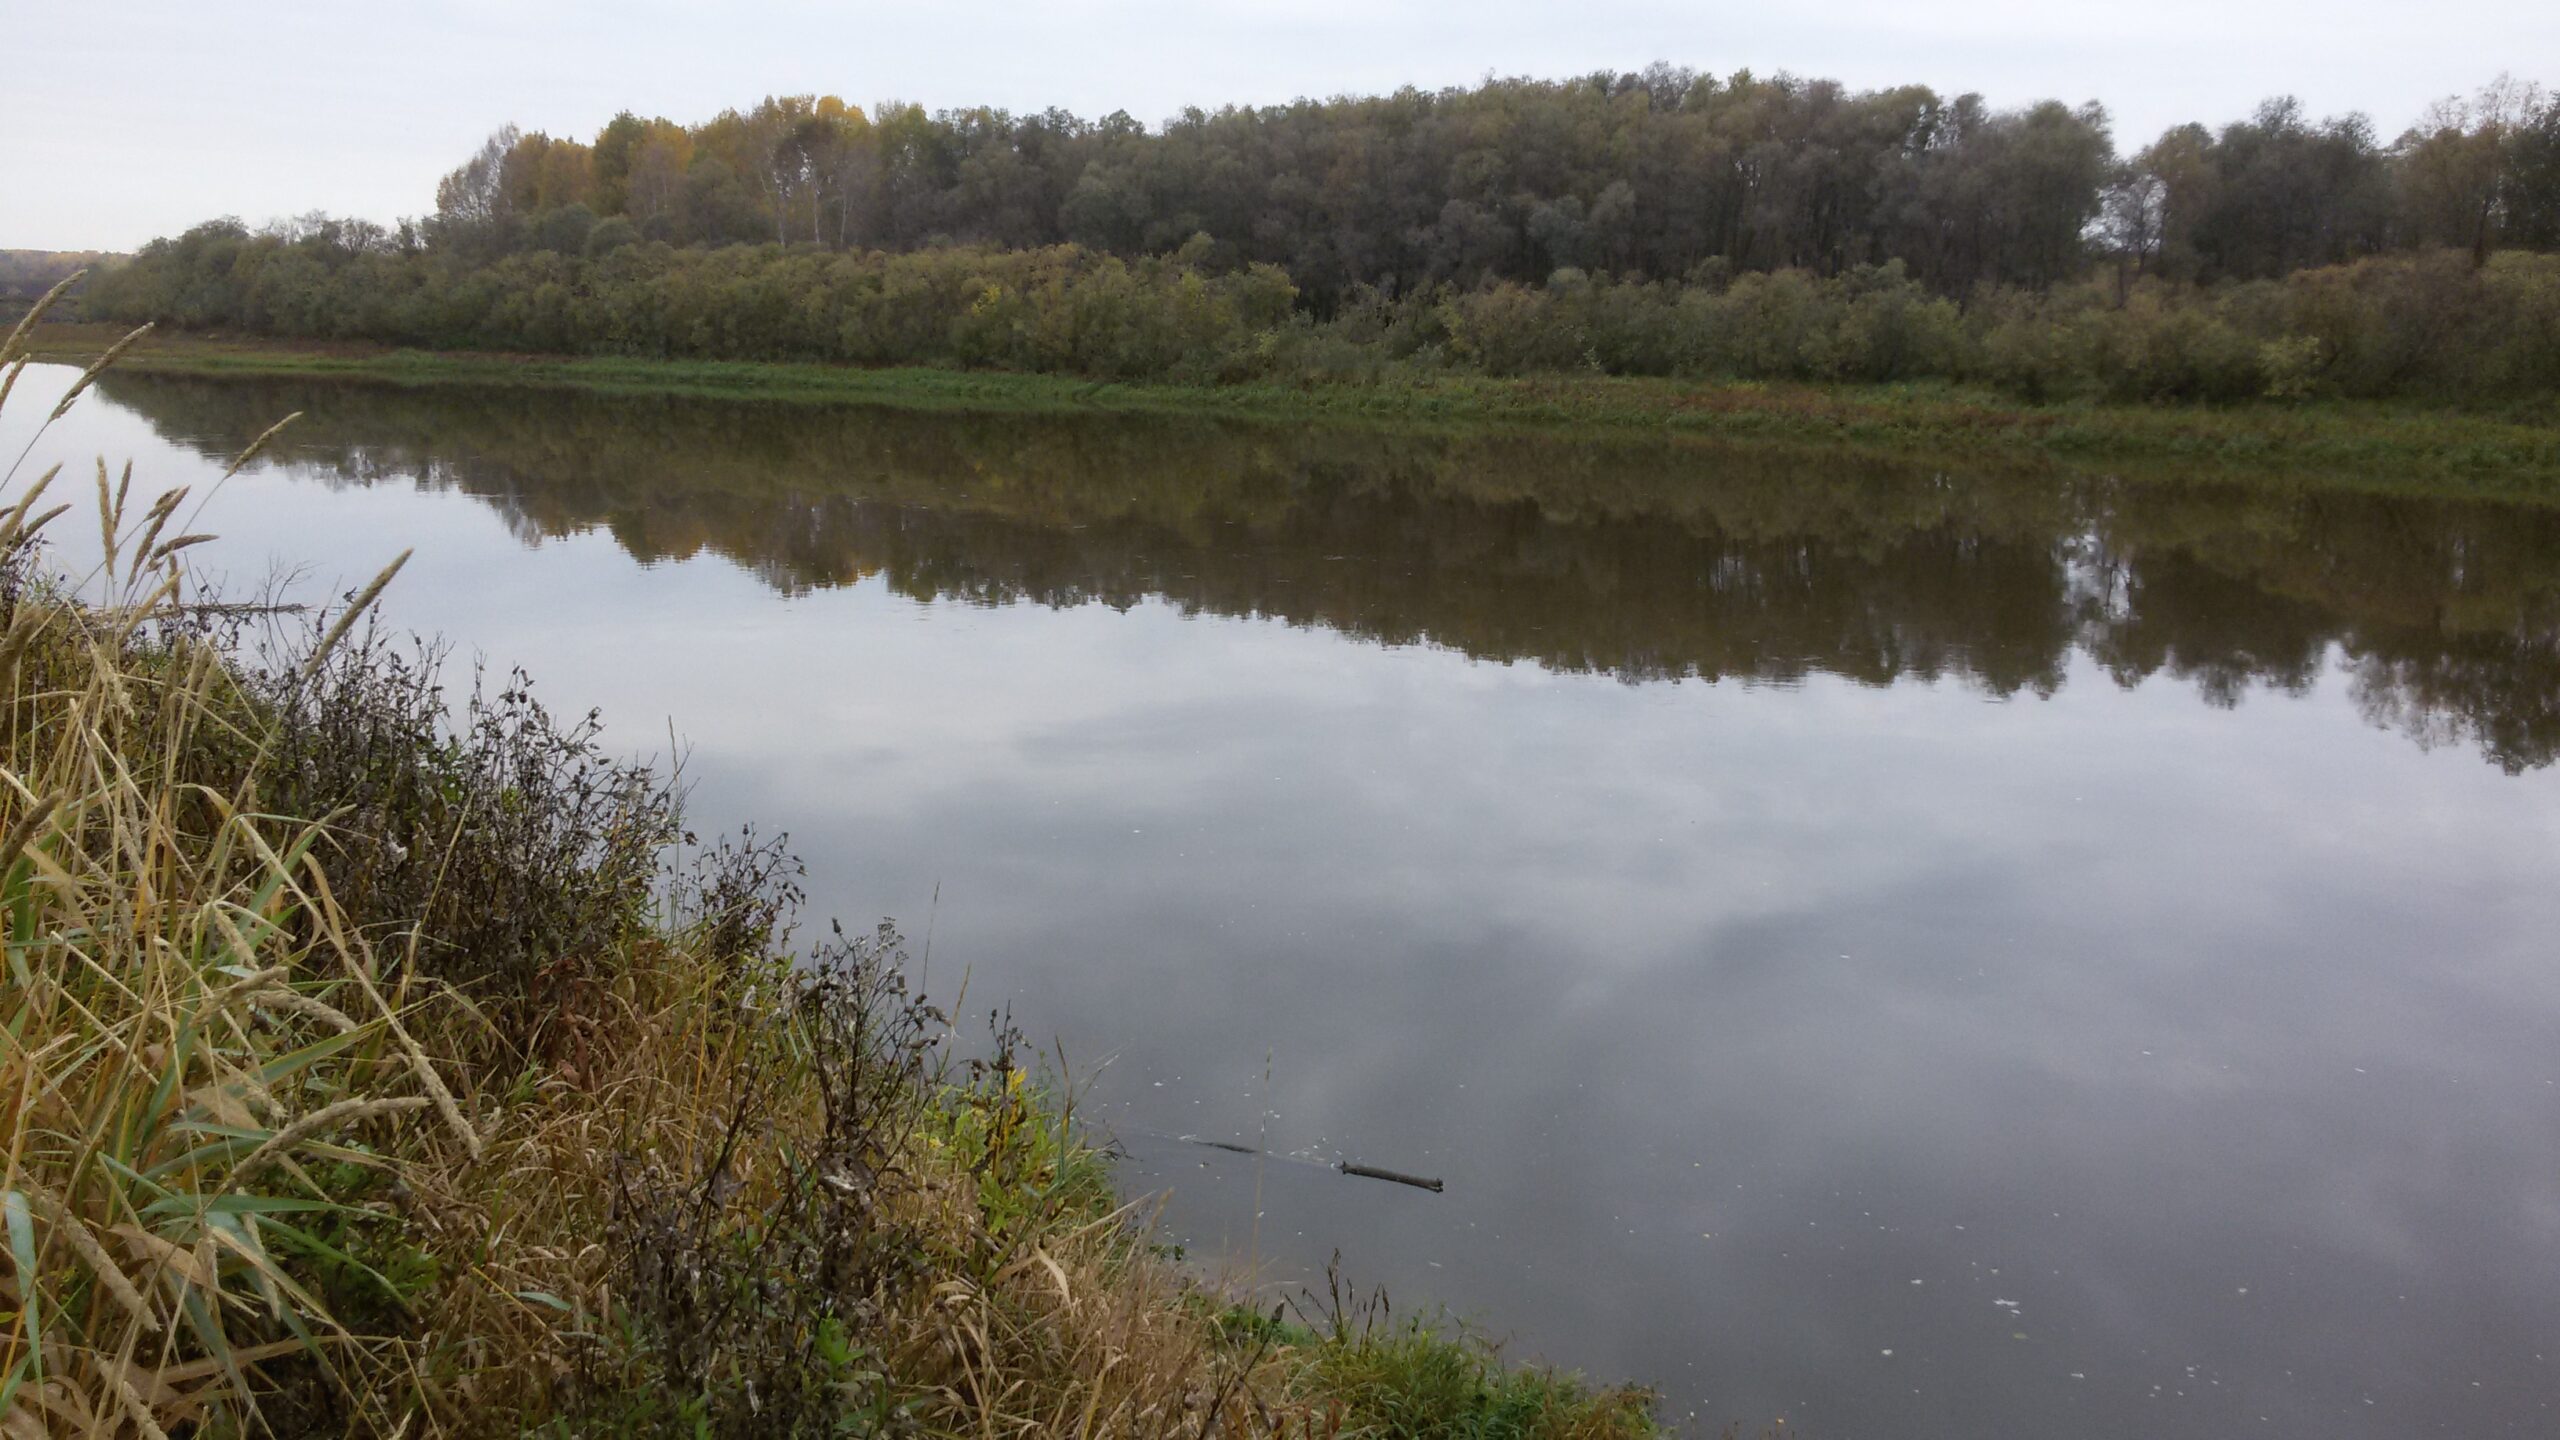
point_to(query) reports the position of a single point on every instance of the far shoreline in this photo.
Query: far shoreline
(2366, 445)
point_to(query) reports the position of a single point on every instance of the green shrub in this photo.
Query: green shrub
(2419, 324)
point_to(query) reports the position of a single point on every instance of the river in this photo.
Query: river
(1912, 951)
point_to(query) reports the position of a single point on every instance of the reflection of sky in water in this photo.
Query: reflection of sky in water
(2226, 1044)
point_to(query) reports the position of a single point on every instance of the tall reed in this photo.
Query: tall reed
(195, 1046)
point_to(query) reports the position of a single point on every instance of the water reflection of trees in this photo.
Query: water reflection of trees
(1641, 559)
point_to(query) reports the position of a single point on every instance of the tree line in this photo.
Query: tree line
(1655, 173)
(1662, 223)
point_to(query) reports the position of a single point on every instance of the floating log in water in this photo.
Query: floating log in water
(1374, 1173)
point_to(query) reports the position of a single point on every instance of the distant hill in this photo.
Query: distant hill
(26, 274)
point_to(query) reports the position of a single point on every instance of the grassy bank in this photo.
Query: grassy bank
(2404, 444)
(382, 1064)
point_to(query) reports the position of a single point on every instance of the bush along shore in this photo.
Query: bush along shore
(380, 1061)
(2419, 370)
(2405, 446)
(2435, 325)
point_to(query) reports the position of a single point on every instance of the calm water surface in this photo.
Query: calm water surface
(1918, 954)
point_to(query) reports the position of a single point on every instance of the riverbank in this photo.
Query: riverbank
(389, 1064)
(2511, 451)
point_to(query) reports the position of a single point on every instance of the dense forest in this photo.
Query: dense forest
(1654, 174)
(1662, 222)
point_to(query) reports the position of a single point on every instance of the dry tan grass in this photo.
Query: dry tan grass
(181, 1046)
(195, 1025)
(1071, 1328)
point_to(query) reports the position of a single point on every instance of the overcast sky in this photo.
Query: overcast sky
(121, 121)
